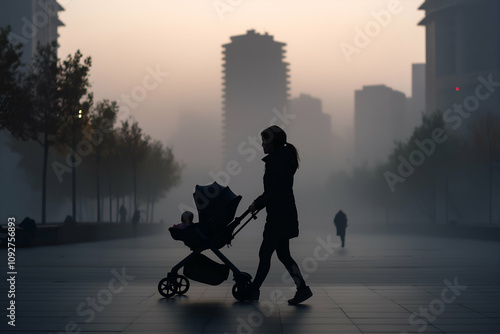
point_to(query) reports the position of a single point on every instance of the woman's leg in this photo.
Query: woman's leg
(283, 252)
(266, 251)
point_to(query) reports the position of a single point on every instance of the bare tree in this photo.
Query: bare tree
(102, 119)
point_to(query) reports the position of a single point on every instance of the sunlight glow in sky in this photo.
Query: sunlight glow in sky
(184, 38)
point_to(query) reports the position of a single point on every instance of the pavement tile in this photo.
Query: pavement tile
(379, 286)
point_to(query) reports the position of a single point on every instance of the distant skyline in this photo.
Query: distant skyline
(185, 39)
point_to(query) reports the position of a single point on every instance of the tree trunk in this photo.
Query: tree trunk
(44, 177)
(130, 205)
(92, 212)
(147, 207)
(98, 187)
(433, 207)
(152, 209)
(86, 210)
(110, 201)
(134, 172)
(491, 191)
(490, 176)
(73, 174)
(117, 207)
(446, 218)
(80, 208)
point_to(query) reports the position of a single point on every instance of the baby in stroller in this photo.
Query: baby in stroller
(186, 220)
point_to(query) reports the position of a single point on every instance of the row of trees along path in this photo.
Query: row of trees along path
(48, 103)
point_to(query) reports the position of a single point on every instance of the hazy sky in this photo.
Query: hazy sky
(184, 38)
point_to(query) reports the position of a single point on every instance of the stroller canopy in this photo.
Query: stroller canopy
(216, 205)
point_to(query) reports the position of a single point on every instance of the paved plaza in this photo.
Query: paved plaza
(377, 284)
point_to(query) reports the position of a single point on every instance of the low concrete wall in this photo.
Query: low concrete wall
(82, 232)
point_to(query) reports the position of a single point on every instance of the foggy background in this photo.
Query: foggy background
(185, 39)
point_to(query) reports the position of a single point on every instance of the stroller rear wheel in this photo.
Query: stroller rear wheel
(167, 287)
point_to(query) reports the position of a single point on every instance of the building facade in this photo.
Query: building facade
(255, 89)
(32, 22)
(462, 44)
(462, 81)
(311, 132)
(379, 121)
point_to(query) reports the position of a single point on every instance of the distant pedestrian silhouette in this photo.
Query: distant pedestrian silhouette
(340, 222)
(123, 214)
(136, 217)
(282, 161)
(69, 220)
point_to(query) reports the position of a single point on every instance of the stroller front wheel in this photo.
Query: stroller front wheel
(167, 287)
(243, 286)
(182, 284)
(241, 291)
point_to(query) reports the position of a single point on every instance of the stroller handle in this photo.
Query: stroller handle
(240, 218)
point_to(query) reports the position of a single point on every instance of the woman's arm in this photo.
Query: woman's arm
(276, 179)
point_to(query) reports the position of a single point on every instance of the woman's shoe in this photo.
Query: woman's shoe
(254, 293)
(300, 296)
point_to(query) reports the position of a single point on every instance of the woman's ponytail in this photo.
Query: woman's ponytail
(295, 153)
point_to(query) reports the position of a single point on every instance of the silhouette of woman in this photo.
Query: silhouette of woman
(282, 161)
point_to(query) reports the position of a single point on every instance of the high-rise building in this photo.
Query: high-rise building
(379, 121)
(462, 75)
(32, 22)
(311, 132)
(461, 44)
(255, 90)
(416, 103)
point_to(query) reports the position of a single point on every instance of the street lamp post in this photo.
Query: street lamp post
(73, 176)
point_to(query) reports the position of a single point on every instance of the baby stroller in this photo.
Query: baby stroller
(216, 207)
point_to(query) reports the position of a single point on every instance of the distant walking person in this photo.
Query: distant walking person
(136, 217)
(340, 222)
(282, 161)
(123, 214)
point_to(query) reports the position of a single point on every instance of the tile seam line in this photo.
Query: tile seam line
(411, 312)
(360, 331)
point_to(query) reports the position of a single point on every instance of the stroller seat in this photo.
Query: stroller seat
(217, 207)
(194, 237)
(189, 236)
